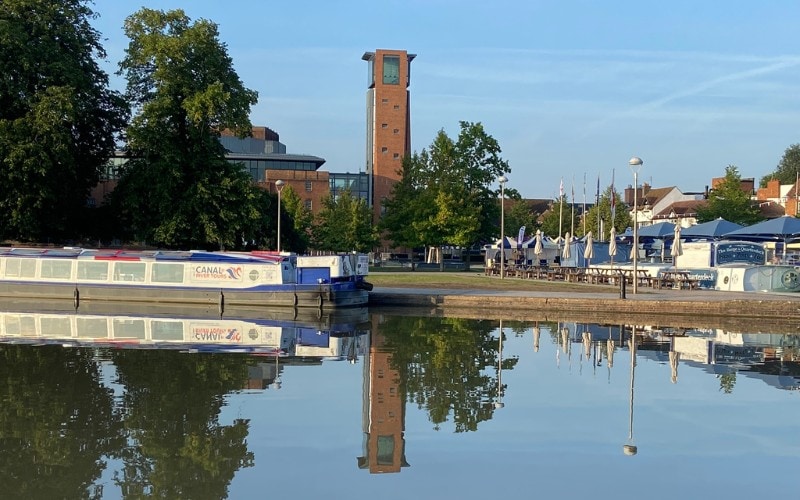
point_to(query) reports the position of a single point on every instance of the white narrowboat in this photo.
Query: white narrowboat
(185, 277)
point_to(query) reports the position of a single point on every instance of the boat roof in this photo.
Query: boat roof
(139, 255)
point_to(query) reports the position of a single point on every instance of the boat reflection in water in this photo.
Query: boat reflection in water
(330, 334)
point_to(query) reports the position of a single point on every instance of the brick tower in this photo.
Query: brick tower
(388, 121)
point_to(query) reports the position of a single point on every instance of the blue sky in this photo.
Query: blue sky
(570, 89)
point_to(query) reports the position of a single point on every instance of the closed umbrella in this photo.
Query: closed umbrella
(565, 254)
(538, 249)
(677, 251)
(588, 253)
(612, 245)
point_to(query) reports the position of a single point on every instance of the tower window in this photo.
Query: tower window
(384, 149)
(307, 203)
(384, 125)
(391, 70)
(308, 186)
(396, 156)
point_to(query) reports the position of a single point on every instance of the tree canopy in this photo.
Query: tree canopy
(58, 118)
(788, 168)
(729, 201)
(448, 194)
(345, 224)
(182, 84)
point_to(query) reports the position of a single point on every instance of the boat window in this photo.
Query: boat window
(56, 326)
(166, 330)
(93, 328)
(129, 328)
(129, 271)
(20, 268)
(20, 325)
(167, 273)
(92, 270)
(57, 269)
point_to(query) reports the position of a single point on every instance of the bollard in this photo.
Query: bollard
(622, 282)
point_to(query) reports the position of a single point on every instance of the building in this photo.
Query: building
(388, 121)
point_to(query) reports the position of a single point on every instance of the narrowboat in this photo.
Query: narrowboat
(185, 277)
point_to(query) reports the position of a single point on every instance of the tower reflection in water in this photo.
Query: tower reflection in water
(383, 410)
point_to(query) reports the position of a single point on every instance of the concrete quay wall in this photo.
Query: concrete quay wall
(756, 312)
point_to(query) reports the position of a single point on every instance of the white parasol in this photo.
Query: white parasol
(612, 245)
(538, 249)
(588, 253)
(677, 251)
(565, 254)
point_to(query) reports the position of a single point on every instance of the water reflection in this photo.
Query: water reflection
(83, 413)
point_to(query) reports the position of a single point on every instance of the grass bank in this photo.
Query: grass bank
(474, 280)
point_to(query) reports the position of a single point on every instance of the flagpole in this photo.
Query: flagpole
(584, 203)
(572, 206)
(560, 211)
(597, 205)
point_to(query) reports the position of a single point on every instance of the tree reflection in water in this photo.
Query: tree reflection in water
(176, 445)
(444, 366)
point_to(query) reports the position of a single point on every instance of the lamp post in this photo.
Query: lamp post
(279, 186)
(502, 180)
(636, 164)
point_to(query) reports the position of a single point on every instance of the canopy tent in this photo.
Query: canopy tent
(785, 228)
(713, 229)
(782, 228)
(660, 230)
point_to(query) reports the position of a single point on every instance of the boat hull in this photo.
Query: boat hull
(300, 296)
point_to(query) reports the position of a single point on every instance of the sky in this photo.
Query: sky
(571, 90)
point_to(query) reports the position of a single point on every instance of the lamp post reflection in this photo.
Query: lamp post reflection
(499, 403)
(629, 448)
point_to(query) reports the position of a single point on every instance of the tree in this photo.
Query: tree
(302, 218)
(58, 119)
(788, 168)
(182, 82)
(729, 201)
(518, 214)
(557, 221)
(447, 194)
(345, 224)
(602, 212)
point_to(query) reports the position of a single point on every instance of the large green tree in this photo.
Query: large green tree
(787, 169)
(729, 201)
(448, 192)
(178, 189)
(344, 224)
(58, 118)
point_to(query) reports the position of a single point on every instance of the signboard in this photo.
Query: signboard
(740, 252)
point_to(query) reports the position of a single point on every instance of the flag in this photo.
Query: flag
(521, 235)
(613, 200)
(561, 189)
(597, 196)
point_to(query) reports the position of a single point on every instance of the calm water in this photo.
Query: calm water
(398, 407)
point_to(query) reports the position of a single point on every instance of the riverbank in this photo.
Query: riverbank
(474, 295)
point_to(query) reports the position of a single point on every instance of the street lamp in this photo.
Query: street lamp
(279, 186)
(636, 165)
(502, 180)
